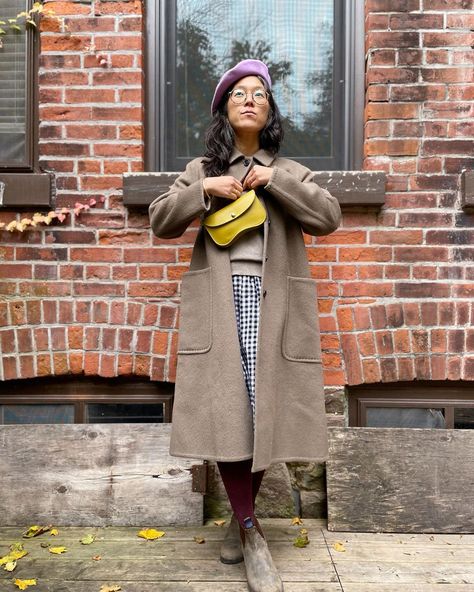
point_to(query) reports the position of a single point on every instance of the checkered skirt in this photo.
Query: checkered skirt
(247, 289)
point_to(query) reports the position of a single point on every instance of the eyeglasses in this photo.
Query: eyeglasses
(239, 96)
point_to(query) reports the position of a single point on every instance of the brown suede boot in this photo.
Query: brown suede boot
(231, 548)
(262, 575)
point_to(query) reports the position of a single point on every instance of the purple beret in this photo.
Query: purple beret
(243, 68)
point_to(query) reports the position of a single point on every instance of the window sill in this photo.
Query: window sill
(351, 188)
(467, 191)
(25, 190)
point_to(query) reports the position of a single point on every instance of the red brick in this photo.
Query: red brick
(392, 147)
(380, 289)
(429, 313)
(391, 111)
(76, 362)
(75, 337)
(396, 237)
(115, 7)
(43, 365)
(125, 340)
(371, 370)
(141, 365)
(370, 272)
(418, 92)
(433, 147)
(422, 290)
(456, 340)
(422, 368)
(406, 369)
(468, 369)
(352, 359)
(454, 368)
(98, 289)
(446, 38)
(384, 342)
(392, 39)
(425, 272)
(438, 367)
(420, 341)
(124, 365)
(366, 344)
(365, 254)
(402, 341)
(391, 75)
(107, 365)
(388, 368)
(446, 313)
(392, 5)
(152, 289)
(91, 339)
(416, 21)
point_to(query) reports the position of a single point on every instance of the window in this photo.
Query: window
(59, 400)
(405, 405)
(21, 182)
(315, 55)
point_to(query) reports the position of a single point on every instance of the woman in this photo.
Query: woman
(249, 389)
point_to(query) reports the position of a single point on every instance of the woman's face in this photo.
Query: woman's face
(248, 116)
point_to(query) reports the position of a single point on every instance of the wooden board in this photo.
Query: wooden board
(400, 480)
(100, 474)
(351, 188)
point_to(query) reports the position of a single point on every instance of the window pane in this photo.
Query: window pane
(399, 417)
(36, 413)
(13, 74)
(294, 38)
(464, 418)
(125, 413)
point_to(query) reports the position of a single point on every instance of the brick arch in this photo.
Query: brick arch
(404, 341)
(41, 337)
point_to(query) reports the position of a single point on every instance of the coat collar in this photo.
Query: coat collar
(262, 156)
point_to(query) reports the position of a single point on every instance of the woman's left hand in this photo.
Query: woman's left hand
(258, 175)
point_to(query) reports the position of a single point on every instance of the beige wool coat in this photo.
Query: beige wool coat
(212, 417)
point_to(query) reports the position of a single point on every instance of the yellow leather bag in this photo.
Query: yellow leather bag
(232, 221)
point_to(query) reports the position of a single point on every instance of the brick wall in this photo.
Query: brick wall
(97, 294)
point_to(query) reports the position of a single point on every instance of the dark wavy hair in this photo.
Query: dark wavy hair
(220, 136)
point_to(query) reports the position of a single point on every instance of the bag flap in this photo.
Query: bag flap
(231, 211)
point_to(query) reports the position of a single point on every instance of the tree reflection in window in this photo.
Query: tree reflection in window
(295, 39)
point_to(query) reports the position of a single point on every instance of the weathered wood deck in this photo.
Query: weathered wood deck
(371, 562)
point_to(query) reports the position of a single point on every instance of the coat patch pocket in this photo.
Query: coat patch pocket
(195, 323)
(301, 340)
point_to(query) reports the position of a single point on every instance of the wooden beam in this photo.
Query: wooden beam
(352, 188)
(118, 474)
(409, 480)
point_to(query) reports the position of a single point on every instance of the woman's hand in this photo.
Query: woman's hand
(225, 186)
(258, 175)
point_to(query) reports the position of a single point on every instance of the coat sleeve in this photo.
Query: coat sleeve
(172, 212)
(317, 211)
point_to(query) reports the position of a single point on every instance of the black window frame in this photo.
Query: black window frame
(26, 184)
(349, 80)
(80, 393)
(422, 394)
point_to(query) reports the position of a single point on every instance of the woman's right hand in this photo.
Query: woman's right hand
(224, 186)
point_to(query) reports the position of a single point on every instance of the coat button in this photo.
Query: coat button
(246, 162)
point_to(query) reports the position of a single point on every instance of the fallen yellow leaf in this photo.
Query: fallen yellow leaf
(12, 556)
(88, 539)
(150, 534)
(97, 558)
(296, 520)
(338, 547)
(36, 530)
(112, 588)
(302, 540)
(54, 532)
(199, 540)
(23, 584)
(219, 522)
(10, 566)
(57, 550)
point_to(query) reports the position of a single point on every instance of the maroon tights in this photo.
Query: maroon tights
(242, 486)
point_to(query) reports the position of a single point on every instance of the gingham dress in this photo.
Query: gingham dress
(247, 289)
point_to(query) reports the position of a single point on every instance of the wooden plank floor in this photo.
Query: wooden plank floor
(371, 562)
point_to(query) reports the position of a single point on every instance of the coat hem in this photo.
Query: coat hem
(212, 457)
(289, 459)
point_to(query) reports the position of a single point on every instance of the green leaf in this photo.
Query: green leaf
(16, 27)
(88, 539)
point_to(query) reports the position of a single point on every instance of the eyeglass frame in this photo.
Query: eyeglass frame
(267, 95)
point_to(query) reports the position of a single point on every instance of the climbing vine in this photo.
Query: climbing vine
(24, 19)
